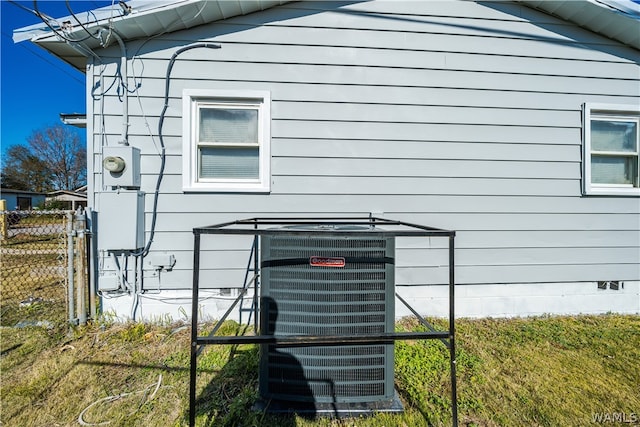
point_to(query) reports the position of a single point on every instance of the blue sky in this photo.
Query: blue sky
(35, 87)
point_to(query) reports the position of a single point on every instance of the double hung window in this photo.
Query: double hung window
(226, 141)
(611, 155)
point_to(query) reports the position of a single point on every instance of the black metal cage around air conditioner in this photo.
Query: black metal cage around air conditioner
(326, 309)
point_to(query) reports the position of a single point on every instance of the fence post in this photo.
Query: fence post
(70, 264)
(82, 285)
(3, 220)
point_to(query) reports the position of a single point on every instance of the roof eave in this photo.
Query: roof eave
(622, 18)
(155, 17)
(147, 18)
(78, 120)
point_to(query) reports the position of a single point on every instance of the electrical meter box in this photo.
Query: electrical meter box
(121, 220)
(121, 166)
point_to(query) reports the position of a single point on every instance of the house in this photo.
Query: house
(21, 200)
(514, 123)
(69, 199)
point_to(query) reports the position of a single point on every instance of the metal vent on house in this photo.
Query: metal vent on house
(327, 285)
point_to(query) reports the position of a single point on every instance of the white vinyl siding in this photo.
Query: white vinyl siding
(226, 139)
(611, 149)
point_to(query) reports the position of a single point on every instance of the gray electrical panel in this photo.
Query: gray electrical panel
(121, 220)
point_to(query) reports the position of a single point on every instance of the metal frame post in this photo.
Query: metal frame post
(256, 283)
(194, 329)
(452, 339)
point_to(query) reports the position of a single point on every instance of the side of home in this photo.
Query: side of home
(484, 118)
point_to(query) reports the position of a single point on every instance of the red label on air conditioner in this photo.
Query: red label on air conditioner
(322, 261)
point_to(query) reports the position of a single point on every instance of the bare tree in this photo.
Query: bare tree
(24, 171)
(65, 155)
(55, 159)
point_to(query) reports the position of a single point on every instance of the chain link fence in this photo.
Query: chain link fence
(34, 267)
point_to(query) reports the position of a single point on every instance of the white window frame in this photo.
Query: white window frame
(192, 99)
(613, 112)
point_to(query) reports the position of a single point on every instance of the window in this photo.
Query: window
(24, 203)
(226, 141)
(611, 159)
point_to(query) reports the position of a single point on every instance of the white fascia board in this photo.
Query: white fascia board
(623, 16)
(145, 19)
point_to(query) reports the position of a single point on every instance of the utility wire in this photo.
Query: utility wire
(21, 6)
(154, 214)
(44, 58)
(78, 21)
(46, 20)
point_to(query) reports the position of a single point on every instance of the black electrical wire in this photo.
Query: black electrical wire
(77, 20)
(22, 6)
(45, 59)
(96, 96)
(46, 22)
(168, 28)
(154, 212)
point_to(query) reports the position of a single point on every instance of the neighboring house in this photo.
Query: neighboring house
(70, 199)
(515, 126)
(22, 200)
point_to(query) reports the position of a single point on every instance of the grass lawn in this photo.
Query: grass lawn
(547, 371)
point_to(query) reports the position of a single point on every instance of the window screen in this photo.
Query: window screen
(219, 125)
(226, 140)
(228, 143)
(614, 152)
(611, 149)
(229, 162)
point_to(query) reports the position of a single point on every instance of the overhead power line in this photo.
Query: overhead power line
(44, 58)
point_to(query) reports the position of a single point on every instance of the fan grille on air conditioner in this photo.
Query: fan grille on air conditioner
(355, 297)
